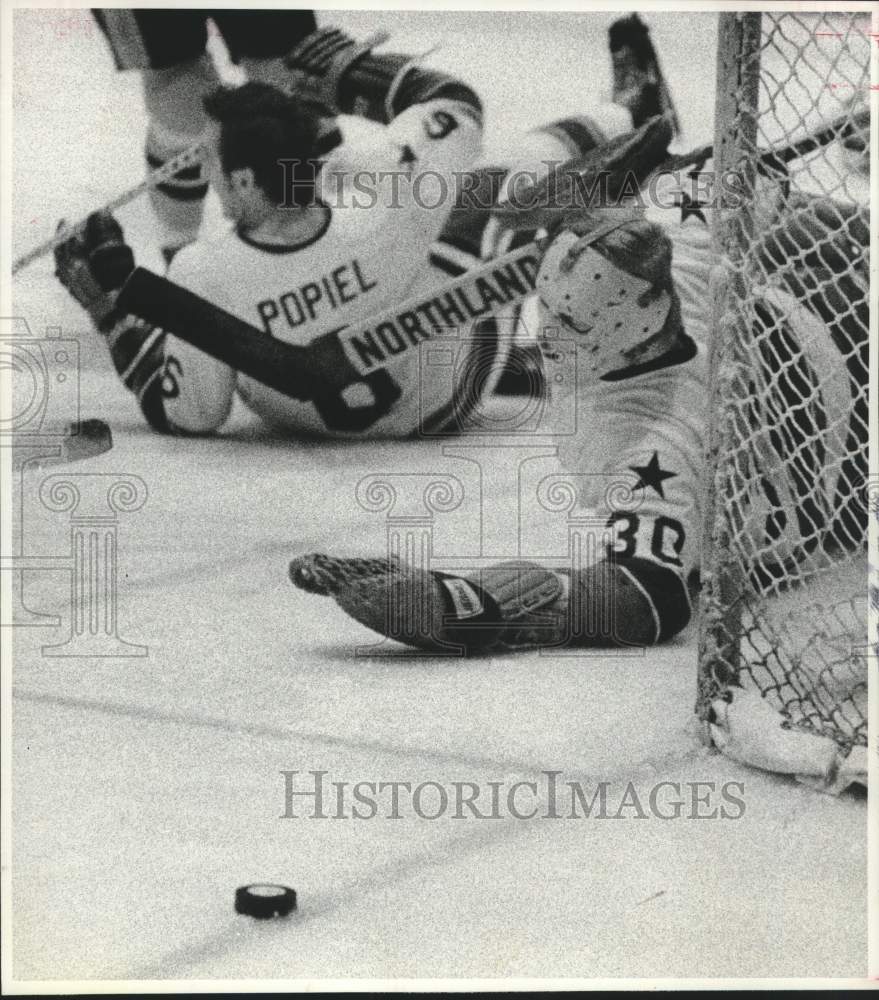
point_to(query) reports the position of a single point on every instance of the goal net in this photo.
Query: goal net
(784, 598)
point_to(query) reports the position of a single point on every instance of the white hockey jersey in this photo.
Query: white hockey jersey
(371, 253)
(398, 225)
(636, 444)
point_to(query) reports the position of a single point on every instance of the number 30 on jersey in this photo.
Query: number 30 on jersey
(659, 538)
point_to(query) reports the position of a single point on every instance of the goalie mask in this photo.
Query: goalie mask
(614, 315)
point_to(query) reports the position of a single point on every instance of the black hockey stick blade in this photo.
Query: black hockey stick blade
(86, 439)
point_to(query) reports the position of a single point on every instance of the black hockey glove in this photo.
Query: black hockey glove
(318, 63)
(93, 265)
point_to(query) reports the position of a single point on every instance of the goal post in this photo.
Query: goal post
(783, 609)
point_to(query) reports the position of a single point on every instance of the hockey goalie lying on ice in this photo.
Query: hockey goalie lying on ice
(633, 297)
(638, 378)
(632, 294)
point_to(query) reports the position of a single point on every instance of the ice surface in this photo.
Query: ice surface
(147, 789)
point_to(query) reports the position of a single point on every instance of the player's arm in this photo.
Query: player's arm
(433, 119)
(93, 266)
(198, 389)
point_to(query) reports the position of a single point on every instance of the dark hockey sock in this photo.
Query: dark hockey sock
(179, 201)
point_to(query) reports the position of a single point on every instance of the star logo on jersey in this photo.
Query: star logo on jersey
(407, 157)
(652, 475)
(689, 206)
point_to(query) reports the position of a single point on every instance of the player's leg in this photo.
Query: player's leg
(633, 376)
(173, 100)
(258, 40)
(167, 47)
(639, 92)
(638, 82)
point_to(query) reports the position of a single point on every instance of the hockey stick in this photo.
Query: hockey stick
(340, 357)
(214, 331)
(622, 165)
(841, 127)
(82, 440)
(187, 158)
(301, 372)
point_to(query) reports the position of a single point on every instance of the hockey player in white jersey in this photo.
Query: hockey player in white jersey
(613, 285)
(299, 266)
(629, 289)
(169, 50)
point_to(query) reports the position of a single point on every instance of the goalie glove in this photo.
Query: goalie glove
(319, 62)
(93, 265)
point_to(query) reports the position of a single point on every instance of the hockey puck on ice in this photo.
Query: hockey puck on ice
(264, 901)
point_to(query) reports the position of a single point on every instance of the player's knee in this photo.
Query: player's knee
(642, 603)
(173, 97)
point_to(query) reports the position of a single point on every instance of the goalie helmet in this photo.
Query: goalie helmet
(610, 290)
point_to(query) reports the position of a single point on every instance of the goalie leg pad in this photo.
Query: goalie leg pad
(440, 611)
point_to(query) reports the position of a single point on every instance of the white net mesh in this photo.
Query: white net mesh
(785, 577)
